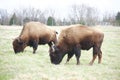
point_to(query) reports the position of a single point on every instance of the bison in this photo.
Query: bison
(75, 38)
(34, 33)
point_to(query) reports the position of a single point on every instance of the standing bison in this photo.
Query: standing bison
(34, 33)
(74, 39)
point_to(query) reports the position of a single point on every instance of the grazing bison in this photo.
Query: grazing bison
(34, 33)
(74, 39)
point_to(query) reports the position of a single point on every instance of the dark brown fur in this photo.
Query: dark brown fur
(34, 33)
(74, 39)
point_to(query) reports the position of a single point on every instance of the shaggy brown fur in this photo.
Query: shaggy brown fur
(34, 33)
(74, 39)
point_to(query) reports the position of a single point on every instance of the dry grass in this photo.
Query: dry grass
(28, 66)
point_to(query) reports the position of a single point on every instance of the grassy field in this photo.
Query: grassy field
(28, 66)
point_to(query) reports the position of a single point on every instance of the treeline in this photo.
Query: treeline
(78, 14)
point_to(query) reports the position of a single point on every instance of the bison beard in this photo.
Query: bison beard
(56, 58)
(74, 39)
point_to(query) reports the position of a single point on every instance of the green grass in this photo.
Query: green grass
(28, 66)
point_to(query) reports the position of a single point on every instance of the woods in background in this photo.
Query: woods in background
(78, 14)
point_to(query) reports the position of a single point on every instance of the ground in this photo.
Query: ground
(28, 66)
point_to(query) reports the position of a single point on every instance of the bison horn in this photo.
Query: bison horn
(53, 47)
(18, 39)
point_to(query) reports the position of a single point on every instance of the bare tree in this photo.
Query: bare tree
(3, 17)
(91, 16)
(108, 18)
(30, 14)
(83, 14)
(78, 13)
(41, 17)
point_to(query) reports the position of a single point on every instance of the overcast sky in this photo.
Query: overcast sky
(60, 5)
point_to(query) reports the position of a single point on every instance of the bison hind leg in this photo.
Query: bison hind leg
(99, 56)
(92, 61)
(96, 52)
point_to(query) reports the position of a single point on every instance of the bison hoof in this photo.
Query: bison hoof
(99, 62)
(34, 52)
(90, 63)
(78, 64)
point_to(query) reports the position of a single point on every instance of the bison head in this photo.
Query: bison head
(18, 45)
(56, 54)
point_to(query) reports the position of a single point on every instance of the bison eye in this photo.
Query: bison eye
(20, 43)
(52, 55)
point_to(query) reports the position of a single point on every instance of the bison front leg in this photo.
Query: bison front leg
(35, 45)
(70, 54)
(77, 51)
